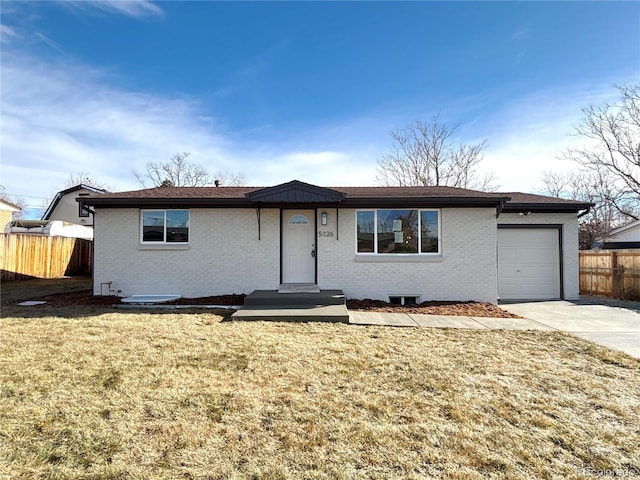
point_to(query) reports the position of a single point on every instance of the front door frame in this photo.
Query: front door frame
(314, 213)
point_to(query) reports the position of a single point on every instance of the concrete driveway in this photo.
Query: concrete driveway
(614, 324)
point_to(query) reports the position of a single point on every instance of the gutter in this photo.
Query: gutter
(546, 207)
(357, 202)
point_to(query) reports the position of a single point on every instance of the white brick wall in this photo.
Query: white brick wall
(465, 271)
(224, 255)
(569, 222)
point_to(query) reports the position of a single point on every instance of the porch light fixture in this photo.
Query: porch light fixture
(323, 218)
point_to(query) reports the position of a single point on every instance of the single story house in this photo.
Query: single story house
(400, 244)
(627, 236)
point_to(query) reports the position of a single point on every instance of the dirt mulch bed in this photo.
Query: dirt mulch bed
(86, 298)
(229, 300)
(460, 309)
(468, 309)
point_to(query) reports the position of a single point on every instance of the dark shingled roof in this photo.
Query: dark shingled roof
(530, 202)
(519, 197)
(185, 192)
(240, 192)
(166, 197)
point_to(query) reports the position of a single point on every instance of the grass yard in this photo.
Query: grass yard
(102, 394)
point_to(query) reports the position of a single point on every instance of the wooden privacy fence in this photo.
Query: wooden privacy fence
(612, 273)
(29, 256)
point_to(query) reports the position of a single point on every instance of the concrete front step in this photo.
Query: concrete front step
(322, 306)
(293, 313)
(271, 298)
(298, 288)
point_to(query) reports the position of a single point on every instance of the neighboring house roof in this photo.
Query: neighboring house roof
(7, 205)
(627, 236)
(296, 192)
(632, 226)
(54, 203)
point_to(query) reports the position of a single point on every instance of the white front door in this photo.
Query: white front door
(298, 246)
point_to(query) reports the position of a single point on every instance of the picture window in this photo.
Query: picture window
(398, 231)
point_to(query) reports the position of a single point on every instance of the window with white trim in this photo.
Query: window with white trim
(398, 231)
(165, 226)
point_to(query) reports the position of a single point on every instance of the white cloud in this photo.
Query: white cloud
(330, 168)
(5, 33)
(527, 135)
(66, 118)
(59, 119)
(522, 33)
(42, 37)
(315, 158)
(62, 117)
(130, 8)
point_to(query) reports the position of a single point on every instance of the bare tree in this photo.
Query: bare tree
(73, 180)
(426, 154)
(610, 161)
(17, 201)
(599, 188)
(84, 178)
(613, 146)
(179, 172)
(230, 179)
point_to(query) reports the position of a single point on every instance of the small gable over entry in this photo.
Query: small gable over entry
(295, 192)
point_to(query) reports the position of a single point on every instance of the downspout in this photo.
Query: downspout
(93, 253)
(500, 207)
(258, 218)
(582, 214)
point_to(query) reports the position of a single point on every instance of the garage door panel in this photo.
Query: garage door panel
(528, 264)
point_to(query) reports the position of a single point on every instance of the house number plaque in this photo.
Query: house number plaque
(326, 233)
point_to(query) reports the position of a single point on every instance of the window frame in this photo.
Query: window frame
(164, 226)
(83, 210)
(419, 227)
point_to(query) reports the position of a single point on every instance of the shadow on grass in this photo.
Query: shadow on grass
(19, 290)
(87, 311)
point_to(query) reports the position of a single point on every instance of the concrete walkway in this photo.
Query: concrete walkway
(606, 322)
(443, 321)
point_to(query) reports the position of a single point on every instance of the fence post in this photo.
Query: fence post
(615, 286)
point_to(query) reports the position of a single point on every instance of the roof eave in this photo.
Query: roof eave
(435, 202)
(52, 206)
(156, 202)
(358, 202)
(545, 207)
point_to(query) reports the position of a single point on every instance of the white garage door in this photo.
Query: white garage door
(528, 264)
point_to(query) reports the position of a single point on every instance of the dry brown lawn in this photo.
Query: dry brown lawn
(99, 394)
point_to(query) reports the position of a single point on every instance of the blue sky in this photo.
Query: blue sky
(298, 89)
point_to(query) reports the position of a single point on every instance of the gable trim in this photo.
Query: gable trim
(295, 192)
(54, 203)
